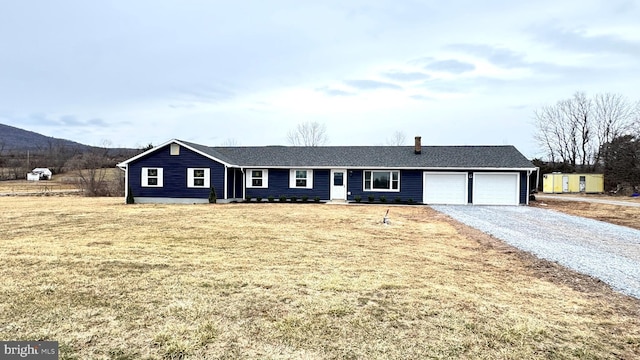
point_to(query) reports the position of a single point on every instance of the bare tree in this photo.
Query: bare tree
(551, 133)
(309, 133)
(397, 139)
(574, 130)
(636, 121)
(614, 116)
(16, 166)
(55, 154)
(230, 142)
(578, 112)
(91, 172)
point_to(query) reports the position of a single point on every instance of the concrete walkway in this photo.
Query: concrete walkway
(632, 202)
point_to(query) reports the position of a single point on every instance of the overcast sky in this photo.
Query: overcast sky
(459, 72)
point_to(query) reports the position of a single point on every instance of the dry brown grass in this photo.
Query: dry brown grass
(21, 187)
(66, 183)
(615, 214)
(116, 281)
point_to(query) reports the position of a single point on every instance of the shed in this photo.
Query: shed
(39, 174)
(556, 183)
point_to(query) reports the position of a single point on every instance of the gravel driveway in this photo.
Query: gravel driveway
(626, 202)
(608, 252)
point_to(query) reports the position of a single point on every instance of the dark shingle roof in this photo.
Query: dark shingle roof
(370, 156)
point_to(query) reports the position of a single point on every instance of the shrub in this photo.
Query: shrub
(398, 200)
(371, 198)
(270, 198)
(248, 198)
(316, 199)
(383, 199)
(282, 198)
(213, 198)
(258, 198)
(357, 198)
(410, 201)
(305, 198)
(294, 198)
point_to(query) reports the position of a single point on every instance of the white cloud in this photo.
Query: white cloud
(456, 72)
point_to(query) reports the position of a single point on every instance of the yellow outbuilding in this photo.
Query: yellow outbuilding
(572, 183)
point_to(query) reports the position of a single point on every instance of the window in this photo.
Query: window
(198, 177)
(338, 179)
(382, 180)
(301, 179)
(257, 178)
(151, 177)
(175, 149)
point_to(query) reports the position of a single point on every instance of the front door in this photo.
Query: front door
(565, 184)
(338, 184)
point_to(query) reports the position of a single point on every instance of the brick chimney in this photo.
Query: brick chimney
(418, 148)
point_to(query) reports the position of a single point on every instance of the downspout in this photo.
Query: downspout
(125, 168)
(234, 183)
(244, 184)
(528, 185)
(225, 182)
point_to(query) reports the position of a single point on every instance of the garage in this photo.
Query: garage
(445, 188)
(496, 189)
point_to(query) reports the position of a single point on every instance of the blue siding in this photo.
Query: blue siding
(175, 181)
(175, 174)
(279, 185)
(524, 179)
(410, 186)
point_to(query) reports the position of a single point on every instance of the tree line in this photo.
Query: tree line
(88, 167)
(599, 134)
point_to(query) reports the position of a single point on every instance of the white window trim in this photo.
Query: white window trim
(292, 179)
(145, 177)
(265, 178)
(191, 178)
(380, 190)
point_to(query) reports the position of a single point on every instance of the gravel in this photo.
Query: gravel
(605, 251)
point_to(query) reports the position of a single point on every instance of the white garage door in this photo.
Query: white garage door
(445, 188)
(496, 189)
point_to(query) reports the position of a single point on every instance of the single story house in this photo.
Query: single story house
(183, 172)
(39, 174)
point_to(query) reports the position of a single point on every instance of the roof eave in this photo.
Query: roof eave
(361, 167)
(176, 141)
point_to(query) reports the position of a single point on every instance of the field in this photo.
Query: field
(275, 281)
(60, 184)
(615, 214)
(23, 187)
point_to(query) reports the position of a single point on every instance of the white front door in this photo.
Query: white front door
(565, 184)
(338, 184)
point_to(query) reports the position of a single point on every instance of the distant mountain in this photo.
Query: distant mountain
(15, 139)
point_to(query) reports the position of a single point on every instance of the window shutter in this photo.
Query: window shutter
(207, 177)
(189, 177)
(160, 177)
